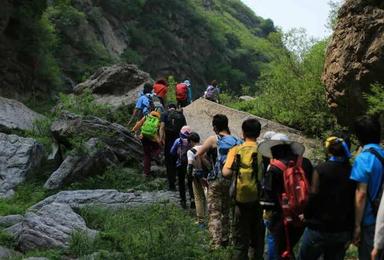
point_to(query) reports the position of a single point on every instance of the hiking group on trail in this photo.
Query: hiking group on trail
(264, 188)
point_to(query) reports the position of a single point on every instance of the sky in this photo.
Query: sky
(287, 14)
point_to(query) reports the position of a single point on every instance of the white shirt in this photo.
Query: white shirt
(191, 156)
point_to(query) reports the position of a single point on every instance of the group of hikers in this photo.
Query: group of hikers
(273, 191)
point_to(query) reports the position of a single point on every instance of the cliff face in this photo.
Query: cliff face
(355, 57)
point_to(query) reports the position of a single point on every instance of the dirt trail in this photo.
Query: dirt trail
(199, 116)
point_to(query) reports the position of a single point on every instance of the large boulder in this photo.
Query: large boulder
(18, 157)
(117, 85)
(16, 116)
(105, 144)
(50, 227)
(199, 116)
(355, 57)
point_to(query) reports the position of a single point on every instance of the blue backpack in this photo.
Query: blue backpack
(224, 144)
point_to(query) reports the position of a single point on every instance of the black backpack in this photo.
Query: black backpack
(175, 121)
(375, 202)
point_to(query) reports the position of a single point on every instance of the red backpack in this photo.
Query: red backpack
(181, 92)
(296, 190)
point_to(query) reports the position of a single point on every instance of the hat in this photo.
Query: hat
(185, 131)
(280, 139)
(187, 82)
(267, 136)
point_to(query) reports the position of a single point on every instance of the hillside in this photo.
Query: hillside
(196, 39)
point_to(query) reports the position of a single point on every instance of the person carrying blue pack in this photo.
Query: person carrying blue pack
(144, 104)
(368, 172)
(218, 199)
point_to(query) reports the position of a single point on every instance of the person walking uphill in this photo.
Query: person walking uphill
(213, 92)
(218, 190)
(150, 138)
(242, 166)
(285, 191)
(180, 149)
(184, 94)
(171, 123)
(330, 208)
(143, 103)
(368, 172)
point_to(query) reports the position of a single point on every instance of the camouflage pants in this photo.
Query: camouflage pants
(218, 212)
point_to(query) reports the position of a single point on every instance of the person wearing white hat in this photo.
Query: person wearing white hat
(285, 151)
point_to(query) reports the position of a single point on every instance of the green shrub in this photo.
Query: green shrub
(375, 99)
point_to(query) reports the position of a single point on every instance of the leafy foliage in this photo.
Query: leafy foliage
(375, 99)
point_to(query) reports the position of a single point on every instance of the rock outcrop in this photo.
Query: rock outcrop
(199, 116)
(355, 57)
(117, 85)
(105, 144)
(18, 157)
(16, 116)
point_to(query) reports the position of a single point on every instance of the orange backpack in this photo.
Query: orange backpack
(181, 92)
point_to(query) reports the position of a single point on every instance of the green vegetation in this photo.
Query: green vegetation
(376, 99)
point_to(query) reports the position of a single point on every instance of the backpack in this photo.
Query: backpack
(224, 144)
(150, 107)
(245, 185)
(375, 202)
(182, 151)
(150, 126)
(175, 121)
(181, 92)
(210, 92)
(296, 187)
(157, 104)
(201, 165)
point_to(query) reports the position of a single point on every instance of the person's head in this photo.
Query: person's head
(220, 123)
(185, 131)
(147, 88)
(187, 82)
(367, 130)
(214, 83)
(172, 106)
(336, 146)
(194, 138)
(251, 128)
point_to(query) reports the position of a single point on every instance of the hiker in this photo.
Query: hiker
(242, 165)
(367, 171)
(180, 148)
(171, 123)
(184, 94)
(143, 104)
(150, 138)
(377, 252)
(330, 208)
(212, 93)
(218, 190)
(198, 168)
(160, 88)
(285, 214)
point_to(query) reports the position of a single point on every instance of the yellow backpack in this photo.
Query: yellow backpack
(245, 181)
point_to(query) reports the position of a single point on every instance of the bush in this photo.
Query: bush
(375, 99)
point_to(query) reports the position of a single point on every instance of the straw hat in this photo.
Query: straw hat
(280, 139)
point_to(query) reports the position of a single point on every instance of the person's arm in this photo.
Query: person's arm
(228, 166)
(190, 94)
(191, 157)
(208, 144)
(162, 132)
(379, 232)
(138, 125)
(360, 200)
(312, 199)
(175, 146)
(132, 116)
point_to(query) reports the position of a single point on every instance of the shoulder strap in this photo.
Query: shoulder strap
(193, 150)
(381, 159)
(279, 164)
(377, 154)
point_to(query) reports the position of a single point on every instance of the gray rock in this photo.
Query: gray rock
(6, 253)
(246, 98)
(117, 85)
(16, 116)
(18, 157)
(108, 144)
(107, 198)
(10, 220)
(51, 227)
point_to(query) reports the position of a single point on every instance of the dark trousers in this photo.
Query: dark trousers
(332, 246)
(248, 231)
(278, 233)
(170, 160)
(182, 103)
(366, 242)
(181, 174)
(151, 149)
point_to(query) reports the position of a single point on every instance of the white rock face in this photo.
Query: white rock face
(18, 157)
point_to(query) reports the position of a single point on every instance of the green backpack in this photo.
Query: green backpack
(150, 126)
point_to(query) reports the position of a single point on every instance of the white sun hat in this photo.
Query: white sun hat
(280, 139)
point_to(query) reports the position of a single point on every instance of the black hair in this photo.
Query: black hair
(282, 151)
(194, 137)
(336, 148)
(147, 88)
(367, 130)
(172, 105)
(220, 123)
(251, 128)
(214, 83)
